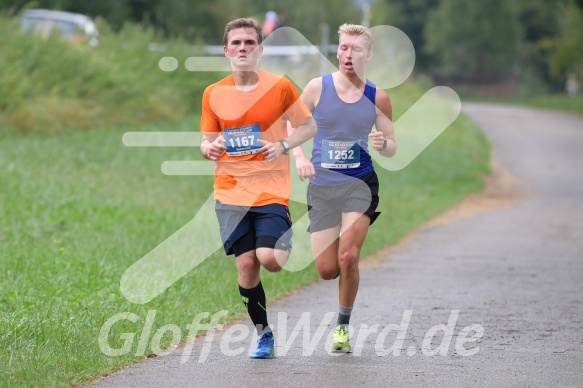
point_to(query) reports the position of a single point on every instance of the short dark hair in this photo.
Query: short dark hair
(243, 23)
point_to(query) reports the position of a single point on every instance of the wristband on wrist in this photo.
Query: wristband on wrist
(285, 146)
(384, 145)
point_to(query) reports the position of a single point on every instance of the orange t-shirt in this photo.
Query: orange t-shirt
(249, 179)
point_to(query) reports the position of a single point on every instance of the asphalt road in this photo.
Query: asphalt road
(491, 299)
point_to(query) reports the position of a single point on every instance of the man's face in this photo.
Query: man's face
(243, 48)
(352, 54)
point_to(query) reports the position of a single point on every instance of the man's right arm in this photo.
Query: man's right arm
(212, 146)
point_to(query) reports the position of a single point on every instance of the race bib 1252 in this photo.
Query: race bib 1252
(340, 154)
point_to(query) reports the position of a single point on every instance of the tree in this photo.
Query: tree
(566, 50)
(410, 16)
(474, 38)
(540, 20)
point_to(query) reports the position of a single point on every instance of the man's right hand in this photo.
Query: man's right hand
(305, 168)
(214, 150)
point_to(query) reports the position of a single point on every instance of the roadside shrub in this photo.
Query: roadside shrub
(52, 85)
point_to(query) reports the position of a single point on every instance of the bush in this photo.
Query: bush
(48, 84)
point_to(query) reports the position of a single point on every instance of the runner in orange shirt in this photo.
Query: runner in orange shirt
(244, 126)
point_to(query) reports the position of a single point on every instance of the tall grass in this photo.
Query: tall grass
(51, 84)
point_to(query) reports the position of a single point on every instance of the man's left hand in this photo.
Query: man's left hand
(378, 140)
(271, 151)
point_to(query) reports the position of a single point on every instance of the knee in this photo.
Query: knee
(328, 273)
(272, 265)
(327, 270)
(247, 265)
(348, 259)
(272, 260)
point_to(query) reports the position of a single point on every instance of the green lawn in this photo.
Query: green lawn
(78, 208)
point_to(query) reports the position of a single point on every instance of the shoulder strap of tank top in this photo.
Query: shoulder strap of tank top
(370, 91)
(327, 86)
(327, 81)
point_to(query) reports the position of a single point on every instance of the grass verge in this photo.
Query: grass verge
(78, 208)
(555, 102)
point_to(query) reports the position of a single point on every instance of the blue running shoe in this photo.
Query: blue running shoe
(265, 346)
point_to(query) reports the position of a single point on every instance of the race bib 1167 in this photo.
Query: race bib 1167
(242, 140)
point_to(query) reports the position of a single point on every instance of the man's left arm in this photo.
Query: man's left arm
(383, 139)
(304, 129)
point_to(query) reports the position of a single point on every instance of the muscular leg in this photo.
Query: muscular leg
(273, 250)
(272, 259)
(248, 268)
(349, 253)
(325, 249)
(251, 289)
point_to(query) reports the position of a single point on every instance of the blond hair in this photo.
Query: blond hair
(243, 23)
(356, 29)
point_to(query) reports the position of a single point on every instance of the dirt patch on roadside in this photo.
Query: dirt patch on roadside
(501, 189)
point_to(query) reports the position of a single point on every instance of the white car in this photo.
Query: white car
(73, 27)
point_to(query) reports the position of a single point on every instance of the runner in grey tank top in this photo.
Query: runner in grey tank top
(343, 189)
